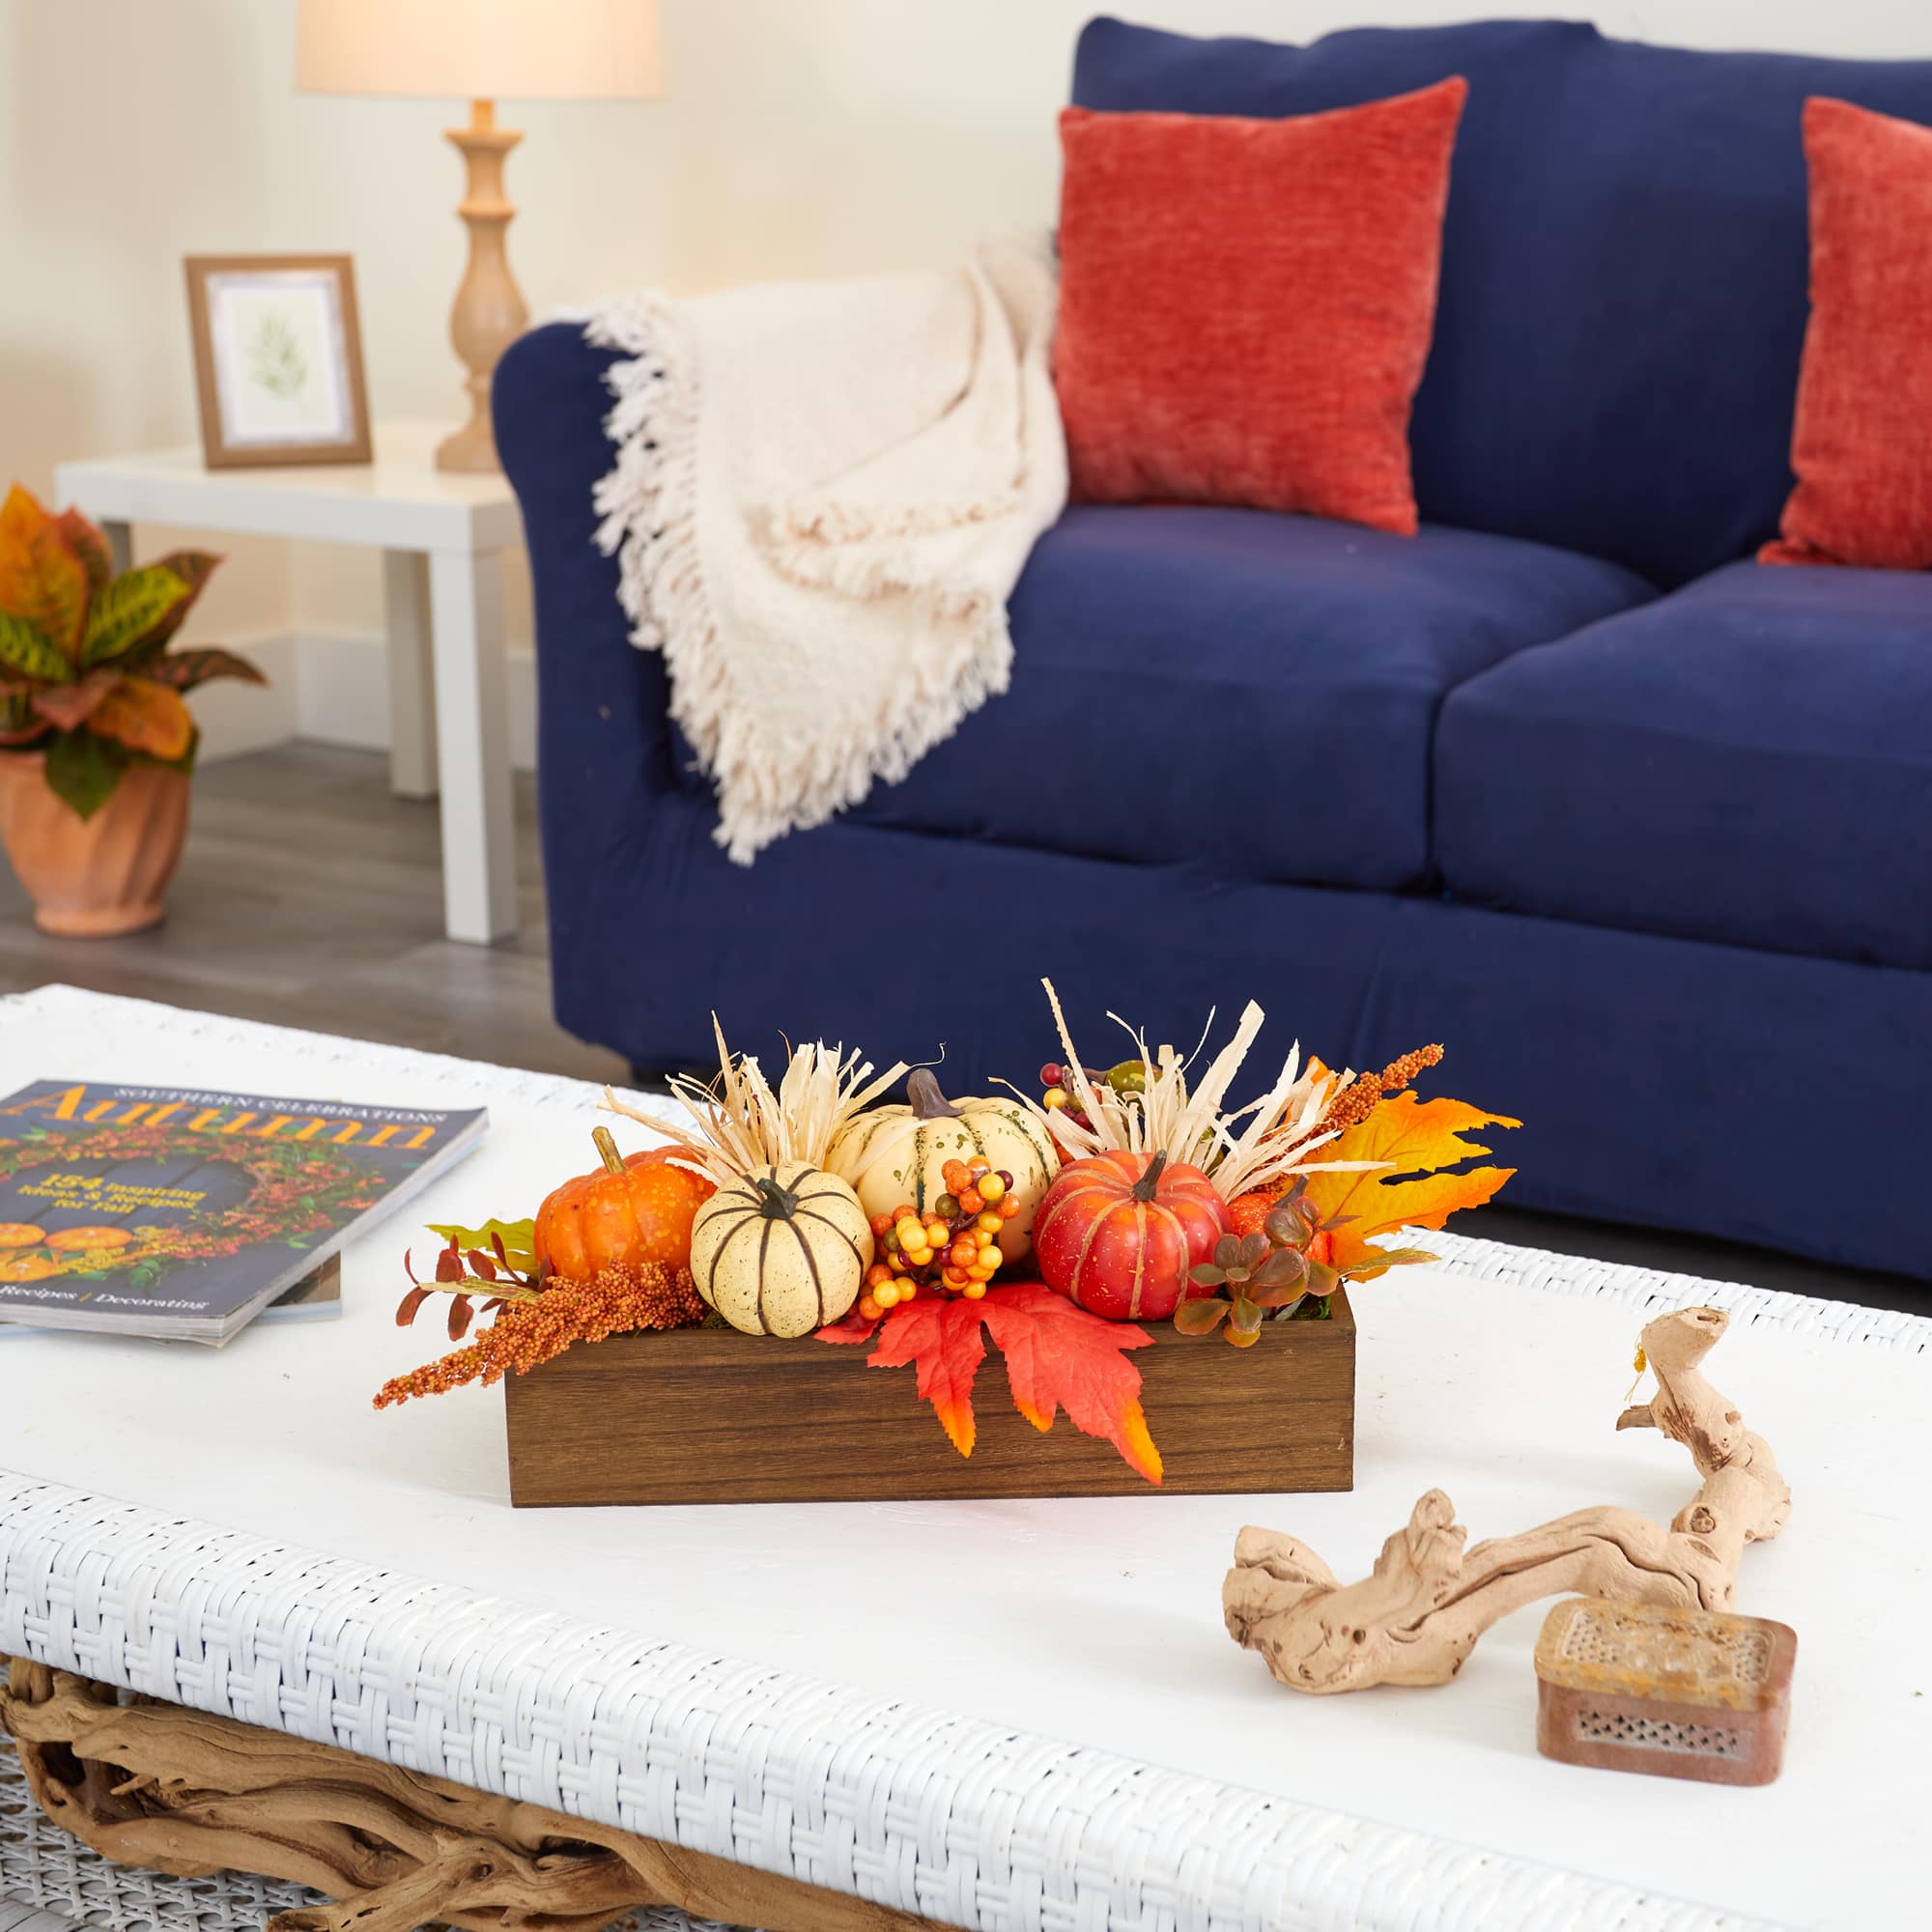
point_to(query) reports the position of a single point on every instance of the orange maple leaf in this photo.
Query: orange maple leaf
(1418, 1139)
(1056, 1357)
(1059, 1356)
(940, 1338)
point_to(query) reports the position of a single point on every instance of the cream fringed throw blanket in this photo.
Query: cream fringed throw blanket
(823, 494)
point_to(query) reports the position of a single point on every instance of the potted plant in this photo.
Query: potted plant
(96, 743)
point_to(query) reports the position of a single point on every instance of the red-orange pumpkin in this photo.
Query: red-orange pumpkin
(1117, 1233)
(630, 1210)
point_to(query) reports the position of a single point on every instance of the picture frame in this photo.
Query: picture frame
(277, 359)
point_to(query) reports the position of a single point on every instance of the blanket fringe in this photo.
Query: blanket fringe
(647, 510)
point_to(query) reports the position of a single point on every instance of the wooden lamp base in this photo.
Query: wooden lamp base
(489, 313)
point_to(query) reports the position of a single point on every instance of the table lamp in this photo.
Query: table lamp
(482, 51)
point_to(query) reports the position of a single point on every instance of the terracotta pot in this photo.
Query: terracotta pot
(94, 878)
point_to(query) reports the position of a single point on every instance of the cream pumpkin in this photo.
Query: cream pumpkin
(781, 1250)
(895, 1155)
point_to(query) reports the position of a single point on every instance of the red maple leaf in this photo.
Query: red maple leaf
(1056, 1357)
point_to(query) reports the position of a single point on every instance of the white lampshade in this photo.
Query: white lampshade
(480, 49)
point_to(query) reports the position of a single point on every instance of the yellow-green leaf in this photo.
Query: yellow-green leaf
(144, 717)
(519, 1240)
(1419, 1140)
(129, 610)
(41, 578)
(194, 567)
(24, 649)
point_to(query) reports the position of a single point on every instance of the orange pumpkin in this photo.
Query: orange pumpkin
(88, 1240)
(28, 1267)
(628, 1211)
(20, 1234)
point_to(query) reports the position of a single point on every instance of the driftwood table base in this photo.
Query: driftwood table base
(153, 1785)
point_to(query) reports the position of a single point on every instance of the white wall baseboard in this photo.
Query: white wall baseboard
(334, 686)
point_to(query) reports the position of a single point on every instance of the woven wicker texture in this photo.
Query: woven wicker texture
(960, 1820)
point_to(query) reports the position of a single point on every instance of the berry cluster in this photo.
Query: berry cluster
(954, 1247)
(1129, 1077)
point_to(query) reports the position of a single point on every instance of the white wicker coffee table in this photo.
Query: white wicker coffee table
(1053, 1731)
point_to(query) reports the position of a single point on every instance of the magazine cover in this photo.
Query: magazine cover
(174, 1212)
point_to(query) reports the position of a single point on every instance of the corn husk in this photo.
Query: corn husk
(740, 1123)
(1238, 1148)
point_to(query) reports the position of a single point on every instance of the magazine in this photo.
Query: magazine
(182, 1214)
(316, 1298)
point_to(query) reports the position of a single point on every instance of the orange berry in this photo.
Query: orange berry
(972, 1201)
(978, 1164)
(1010, 1206)
(882, 1225)
(877, 1273)
(869, 1309)
(962, 1254)
(953, 1277)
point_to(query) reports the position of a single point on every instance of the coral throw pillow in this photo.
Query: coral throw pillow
(1245, 306)
(1861, 443)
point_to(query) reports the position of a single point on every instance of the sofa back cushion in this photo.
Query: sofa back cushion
(1624, 265)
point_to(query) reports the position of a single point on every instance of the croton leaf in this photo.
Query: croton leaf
(86, 543)
(1419, 1140)
(193, 567)
(184, 671)
(83, 770)
(1056, 1357)
(145, 717)
(70, 705)
(19, 723)
(41, 578)
(129, 611)
(25, 650)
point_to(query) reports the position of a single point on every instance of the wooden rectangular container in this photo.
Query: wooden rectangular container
(699, 1416)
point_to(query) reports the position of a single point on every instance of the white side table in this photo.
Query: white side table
(442, 538)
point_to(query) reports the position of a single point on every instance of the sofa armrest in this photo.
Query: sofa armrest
(605, 745)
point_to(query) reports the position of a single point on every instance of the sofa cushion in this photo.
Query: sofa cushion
(1252, 692)
(1745, 761)
(1245, 306)
(1623, 261)
(1861, 449)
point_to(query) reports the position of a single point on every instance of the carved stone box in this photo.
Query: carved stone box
(1701, 1695)
(699, 1416)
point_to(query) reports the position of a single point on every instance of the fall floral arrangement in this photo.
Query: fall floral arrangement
(1055, 1225)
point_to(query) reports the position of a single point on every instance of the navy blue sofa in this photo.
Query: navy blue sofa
(1643, 830)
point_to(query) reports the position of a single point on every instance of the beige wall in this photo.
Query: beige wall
(799, 138)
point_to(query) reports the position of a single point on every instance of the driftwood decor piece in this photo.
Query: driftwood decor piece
(1418, 1615)
(153, 1785)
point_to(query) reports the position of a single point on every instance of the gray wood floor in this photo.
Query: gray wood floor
(310, 897)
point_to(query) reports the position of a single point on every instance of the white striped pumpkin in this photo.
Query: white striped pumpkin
(895, 1155)
(781, 1250)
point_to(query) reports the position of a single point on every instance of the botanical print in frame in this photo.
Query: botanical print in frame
(277, 359)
